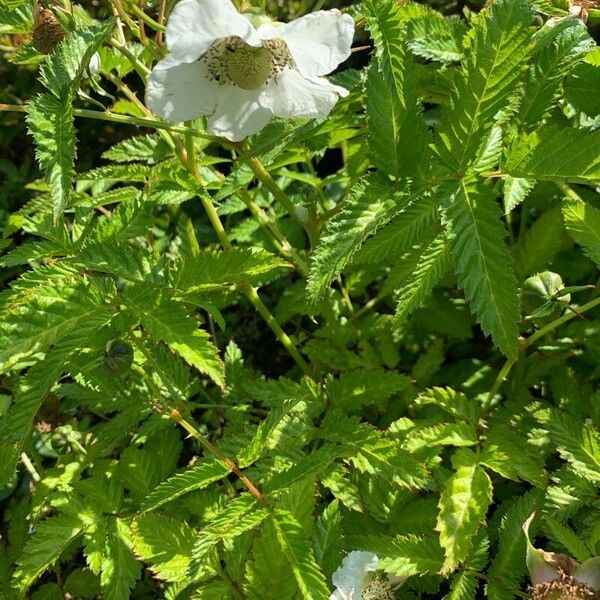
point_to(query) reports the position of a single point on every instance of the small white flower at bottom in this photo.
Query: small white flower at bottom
(220, 65)
(354, 580)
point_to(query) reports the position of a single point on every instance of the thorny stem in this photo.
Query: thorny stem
(30, 467)
(117, 118)
(192, 165)
(161, 20)
(142, 70)
(186, 424)
(231, 465)
(120, 12)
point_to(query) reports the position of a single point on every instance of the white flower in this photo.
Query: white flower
(353, 576)
(220, 65)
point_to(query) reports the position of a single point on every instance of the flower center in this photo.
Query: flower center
(563, 588)
(378, 589)
(231, 60)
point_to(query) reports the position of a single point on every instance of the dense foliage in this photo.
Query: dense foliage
(226, 365)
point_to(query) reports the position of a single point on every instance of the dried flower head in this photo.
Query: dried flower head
(47, 31)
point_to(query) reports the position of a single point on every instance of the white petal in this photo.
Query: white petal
(349, 579)
(195, 24)
(318, 42)
(292, 95)
(180, 91)
(238, 114)
(589, 573)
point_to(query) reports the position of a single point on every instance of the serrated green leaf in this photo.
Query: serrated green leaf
(581, 89)
(47, 313)
(196, 478)
(372, 453)
(557, 49)
(567, 538)
(463, 505)
(445, 434)
(50, 115)
(453, 402)
(120, 569)
(328, 538)
(165, 543)
(508, 565)
(516, 190)
(435, 37)
(145, 148)
(583, 224)
(45, 546)
(269, 573)
(408, 555)
(239, 516)
(577, 443)
(398, 138)
(360, 387)
(431, 266)
(168, 320)
(483, 263)
(298, 550)
(266, 436)
(126, 173)
(16, 17)
(212, 270)
(403, 232)
(503, 453)
(305, 468)
(496, 49)
(556, 153)
(463, 587)
(372, 203)
(50, 121)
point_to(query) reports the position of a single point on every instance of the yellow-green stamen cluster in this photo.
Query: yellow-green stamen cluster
(378, 589)
(564, 587)
(232, 61)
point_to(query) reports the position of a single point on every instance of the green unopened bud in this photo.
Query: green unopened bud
(541, 296)
(118, 357)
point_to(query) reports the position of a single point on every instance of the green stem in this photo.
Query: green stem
(502, 375)
(142, 70)
(117, 118)
(233, 467)
(297, 213)
(568, 191)
(140, 14)
(189, 161)
(532, 339)
(287, 250)
(272, 322)
(560, 321)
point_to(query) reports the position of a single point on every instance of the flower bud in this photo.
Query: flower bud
(540, 296)
(118, 357)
